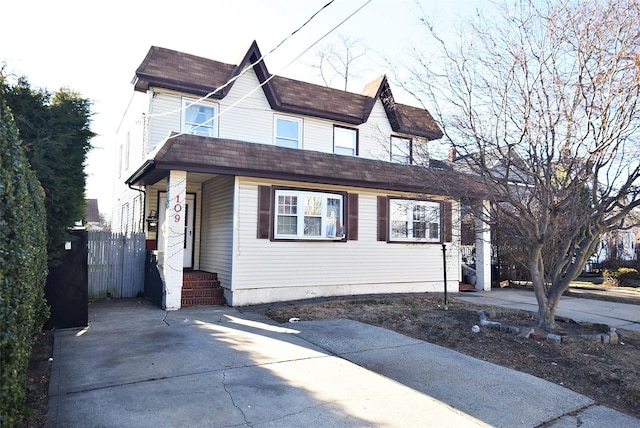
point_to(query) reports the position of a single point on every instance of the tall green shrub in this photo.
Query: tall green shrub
(23, 267)
(55, 132)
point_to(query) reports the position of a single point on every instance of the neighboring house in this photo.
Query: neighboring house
(93, 221)
(284, 189)
(617, 248)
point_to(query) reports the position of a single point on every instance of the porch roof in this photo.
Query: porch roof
(193, 153)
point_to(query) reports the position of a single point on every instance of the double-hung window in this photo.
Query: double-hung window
(288, 132)
(345, 141)
(414, 220)
(308, 215)
(400, 150)
(199, 118)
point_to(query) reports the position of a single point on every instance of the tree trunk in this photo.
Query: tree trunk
(547, 301)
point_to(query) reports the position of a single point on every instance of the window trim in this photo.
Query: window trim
(300, 193)
(298, 120)
(409, 155)
(188, 102)
(385, 221)
(356, 142)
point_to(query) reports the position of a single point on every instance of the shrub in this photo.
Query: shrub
(23, 267)
(619, 277)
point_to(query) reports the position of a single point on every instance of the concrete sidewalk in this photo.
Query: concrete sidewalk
(618, 315)
(138, 366)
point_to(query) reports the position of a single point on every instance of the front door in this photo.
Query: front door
(189, 221)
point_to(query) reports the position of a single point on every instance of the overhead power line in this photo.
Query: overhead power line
(273, 75)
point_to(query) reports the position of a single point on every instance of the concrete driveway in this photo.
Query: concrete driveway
(138, 366)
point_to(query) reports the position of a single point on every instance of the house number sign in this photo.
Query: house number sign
(177, 208)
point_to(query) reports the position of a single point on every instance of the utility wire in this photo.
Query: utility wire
(233, 79)
(273, 75)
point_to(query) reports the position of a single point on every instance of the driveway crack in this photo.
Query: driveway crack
(224, 385)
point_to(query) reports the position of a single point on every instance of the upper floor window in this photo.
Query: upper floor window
(400, 150)
(345, 141)
(308, 215)
(288, 132)
(413, 220)
(199, 118)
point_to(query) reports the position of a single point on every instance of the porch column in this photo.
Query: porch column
(173, 230)
(483, 251)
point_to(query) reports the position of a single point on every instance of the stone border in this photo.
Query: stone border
(613, 337)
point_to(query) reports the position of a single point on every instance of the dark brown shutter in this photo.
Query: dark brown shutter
(352, 216)
(383, 213)
(264, 211)
(447, 224)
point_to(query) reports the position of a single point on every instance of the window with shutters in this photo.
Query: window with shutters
(306, 214)
(412, 220)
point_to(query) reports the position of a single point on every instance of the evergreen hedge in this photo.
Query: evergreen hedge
(23, 267)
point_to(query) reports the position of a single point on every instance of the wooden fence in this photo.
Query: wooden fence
(116, 264)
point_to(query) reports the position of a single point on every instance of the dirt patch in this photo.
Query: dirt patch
(608, 374)
(38, 374)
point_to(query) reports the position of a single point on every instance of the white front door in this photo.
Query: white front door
(189, 218)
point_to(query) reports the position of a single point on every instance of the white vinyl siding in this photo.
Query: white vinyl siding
(165, 117)
(374, 135)
(217, 227)
(246, 115)
(300, 269)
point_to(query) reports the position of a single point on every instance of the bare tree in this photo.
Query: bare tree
(336, 60)
(540, 100)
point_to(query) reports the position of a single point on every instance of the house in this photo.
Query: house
(93, 220)
(282, 189)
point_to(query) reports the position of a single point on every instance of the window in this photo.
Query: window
(412, 220)
(345, 141)
(127, 146)
(288, 132)
(124, 219)
(400, 150)
(308, 215)
(199, 118)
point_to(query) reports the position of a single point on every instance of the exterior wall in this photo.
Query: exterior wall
(375, 134)
(165, 117)
(266, 271)
(217, 228)
(247, 116)
(130, 142)
(251, 118)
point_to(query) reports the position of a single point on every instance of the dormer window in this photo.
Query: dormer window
(199, 117)
(288, 132)
(400, 150)
(345, 141)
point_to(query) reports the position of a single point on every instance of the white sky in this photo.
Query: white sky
(94, 47)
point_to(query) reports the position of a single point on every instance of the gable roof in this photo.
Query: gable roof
(93, 213)
(193, 153)
(173, 70)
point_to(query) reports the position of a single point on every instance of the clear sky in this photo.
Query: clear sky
(95, 47)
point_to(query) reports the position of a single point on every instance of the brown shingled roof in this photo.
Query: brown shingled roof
(194, 153)
(169, 69)
(179, 71)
